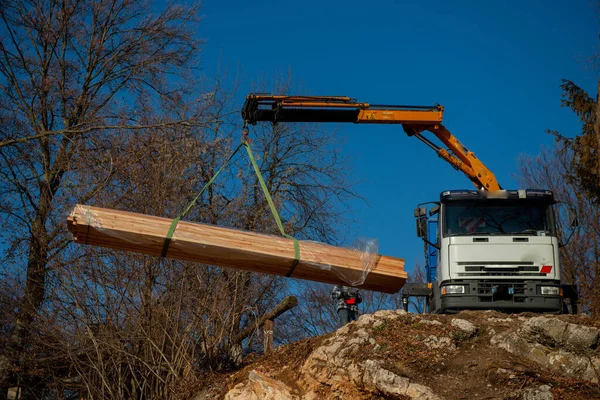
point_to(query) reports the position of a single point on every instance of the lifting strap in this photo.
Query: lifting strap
(245, 143)
(176, 220)
(265, 190)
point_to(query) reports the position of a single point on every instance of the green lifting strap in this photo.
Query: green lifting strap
(265, 190)
(167, 241)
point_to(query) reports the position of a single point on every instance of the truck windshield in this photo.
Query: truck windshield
(498, 218)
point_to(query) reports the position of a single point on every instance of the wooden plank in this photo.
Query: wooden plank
(209, 244)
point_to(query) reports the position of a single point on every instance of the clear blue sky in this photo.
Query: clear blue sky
(495, 66)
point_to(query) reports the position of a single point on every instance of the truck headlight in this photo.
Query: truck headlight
(453, 289)
(550, 290)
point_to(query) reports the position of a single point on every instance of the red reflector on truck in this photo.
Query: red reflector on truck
(546, 269)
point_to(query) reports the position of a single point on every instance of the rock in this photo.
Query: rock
(572, 365)
(260, 386)
(389, 384)
(544, 392)
(464, 326)
(344, 330)
(383, 380)
(556, 333)
(329, 362)
(555, 358)
(330, 367)
(494, 319)
(435, 342)
(378, 324)
(546, 331)
(421, 392)
(430, 322)
(581, 338)
(385, 314)
(510, 342)
(366, 319)
(355, 373)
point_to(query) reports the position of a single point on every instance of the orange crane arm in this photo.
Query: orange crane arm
(414, 120)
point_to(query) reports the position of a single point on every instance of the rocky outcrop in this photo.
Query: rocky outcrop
(560, 346)
(332, 365)
(397, 355)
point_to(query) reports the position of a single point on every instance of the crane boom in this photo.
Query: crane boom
(414, 119)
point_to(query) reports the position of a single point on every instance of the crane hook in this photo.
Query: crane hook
(245, 132)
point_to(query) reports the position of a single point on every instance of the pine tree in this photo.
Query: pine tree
(585, 166)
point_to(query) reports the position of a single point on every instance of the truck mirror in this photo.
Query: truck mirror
(422, 227)
(573, 222)
(420, 212)
(434, 210)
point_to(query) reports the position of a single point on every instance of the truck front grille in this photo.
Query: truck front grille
(502, 268)
(489, 292)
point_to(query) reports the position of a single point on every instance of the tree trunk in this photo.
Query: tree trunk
(597, 132)
(268, 336)
(34, 289)
(286, 304)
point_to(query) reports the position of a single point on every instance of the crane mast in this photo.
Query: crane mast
(415, 120)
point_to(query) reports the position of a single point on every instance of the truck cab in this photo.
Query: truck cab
(492, 250)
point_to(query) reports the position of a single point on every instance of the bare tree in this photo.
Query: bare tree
(68, 71)
(97, 110)
(418, 275)
(581, 256)
(125, 325)
(315, 315)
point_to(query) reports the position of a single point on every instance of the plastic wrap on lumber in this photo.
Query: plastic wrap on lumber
(233, 248)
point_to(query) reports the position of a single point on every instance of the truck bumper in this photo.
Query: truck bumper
(502, 296)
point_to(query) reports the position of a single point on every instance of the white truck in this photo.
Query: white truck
(492, 250)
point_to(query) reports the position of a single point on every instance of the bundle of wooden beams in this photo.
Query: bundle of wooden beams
(233, 248)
